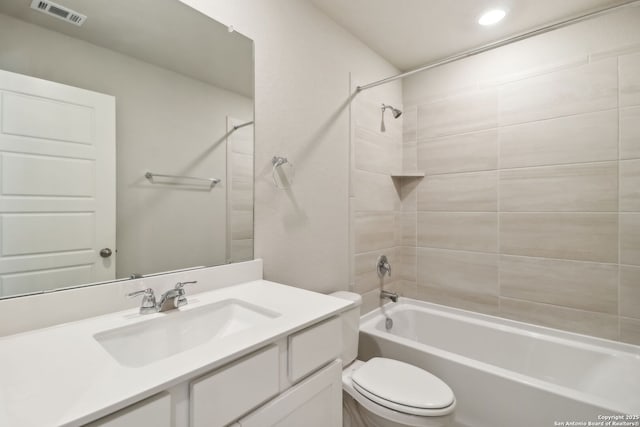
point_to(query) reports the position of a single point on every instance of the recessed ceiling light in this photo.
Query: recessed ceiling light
(492, 17)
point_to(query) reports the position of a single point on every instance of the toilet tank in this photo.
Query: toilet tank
(350, 326)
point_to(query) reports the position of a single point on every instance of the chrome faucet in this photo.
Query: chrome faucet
(383, 266)
(170, 300)
(174, 298)
(389, 295)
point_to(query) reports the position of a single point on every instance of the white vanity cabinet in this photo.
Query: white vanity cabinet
(253, 354)
(300, 374)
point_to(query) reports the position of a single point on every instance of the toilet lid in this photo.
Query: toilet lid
(396, 384)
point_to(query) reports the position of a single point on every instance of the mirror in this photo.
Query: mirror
(126, 142)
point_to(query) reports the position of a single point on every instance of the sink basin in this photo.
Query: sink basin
(177, 331)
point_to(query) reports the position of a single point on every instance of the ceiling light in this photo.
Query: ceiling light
(492, 17)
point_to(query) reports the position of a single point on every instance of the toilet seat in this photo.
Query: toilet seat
(402, 387)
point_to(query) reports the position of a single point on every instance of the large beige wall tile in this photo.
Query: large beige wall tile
(461, 279)
(576, 284)
(630, 330)
(464, 113)
(410, 139)
(465, 192)
(630, 133)
(582, 138)
(583, 89)
(630, 186)
(630, 291)
(374, 152)
(410, 124)
(374, 231)
(408, 192)
(591, 187)
(463, 231)
(630, 239)
(366, 276)
(580, 321)
(374, 192)
(460, 153)
(629, 66)
(407, 289)
(405, 268)
(577, 236)
(406, 228)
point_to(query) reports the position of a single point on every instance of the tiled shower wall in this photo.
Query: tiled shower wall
(530, 207)
(376, 205)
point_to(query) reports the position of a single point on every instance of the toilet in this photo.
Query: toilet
(385, 392)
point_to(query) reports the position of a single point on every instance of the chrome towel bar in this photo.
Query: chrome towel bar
(150, 176)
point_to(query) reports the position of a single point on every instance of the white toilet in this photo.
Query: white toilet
(385, 392)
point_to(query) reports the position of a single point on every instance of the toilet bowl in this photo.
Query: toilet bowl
(384, 392)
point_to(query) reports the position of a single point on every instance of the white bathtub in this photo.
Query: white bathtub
(507, 373)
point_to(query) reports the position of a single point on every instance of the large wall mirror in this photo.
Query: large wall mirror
(126, 142)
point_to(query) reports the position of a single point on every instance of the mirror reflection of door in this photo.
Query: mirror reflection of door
(57, 185)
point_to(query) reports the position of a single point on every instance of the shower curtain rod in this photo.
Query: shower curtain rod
(503, 42)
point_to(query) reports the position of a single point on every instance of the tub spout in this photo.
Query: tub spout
(389, 295)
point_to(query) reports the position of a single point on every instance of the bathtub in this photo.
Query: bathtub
(507, 373)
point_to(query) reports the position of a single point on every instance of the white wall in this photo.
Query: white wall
(303, 61)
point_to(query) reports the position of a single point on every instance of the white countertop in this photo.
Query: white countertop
(61, 376)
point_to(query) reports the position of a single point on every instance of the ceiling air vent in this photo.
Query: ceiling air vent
(60, 12)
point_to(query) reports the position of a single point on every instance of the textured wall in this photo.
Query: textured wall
(529, 208)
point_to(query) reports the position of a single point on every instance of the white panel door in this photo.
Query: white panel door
(57, 185)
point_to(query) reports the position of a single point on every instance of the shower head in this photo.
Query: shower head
(396, 113)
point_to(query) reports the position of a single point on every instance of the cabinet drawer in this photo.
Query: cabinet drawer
(313, 347)
(314, 402)
(154, 411)
(224, 395)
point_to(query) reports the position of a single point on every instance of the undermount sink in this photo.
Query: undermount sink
(177, 331)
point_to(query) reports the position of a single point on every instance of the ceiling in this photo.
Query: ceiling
(166, 33)
(411, 33)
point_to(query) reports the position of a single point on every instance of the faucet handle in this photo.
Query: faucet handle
(146, 292)
(181, 299)
(180, 285)
(148, 300)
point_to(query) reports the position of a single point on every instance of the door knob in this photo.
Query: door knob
(106, 253)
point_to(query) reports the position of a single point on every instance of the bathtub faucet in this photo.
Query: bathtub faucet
(389, 295)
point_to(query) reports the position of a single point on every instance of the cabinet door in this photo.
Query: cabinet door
(154, 411)
(315, 402)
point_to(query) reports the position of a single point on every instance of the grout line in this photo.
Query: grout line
(498, 204)
(516, 168)
(521, 212)
(533, 257)
(498, 127)
(548, 304)
(619, 194)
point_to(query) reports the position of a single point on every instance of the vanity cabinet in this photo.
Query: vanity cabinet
(300, 374)
(154, 411)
